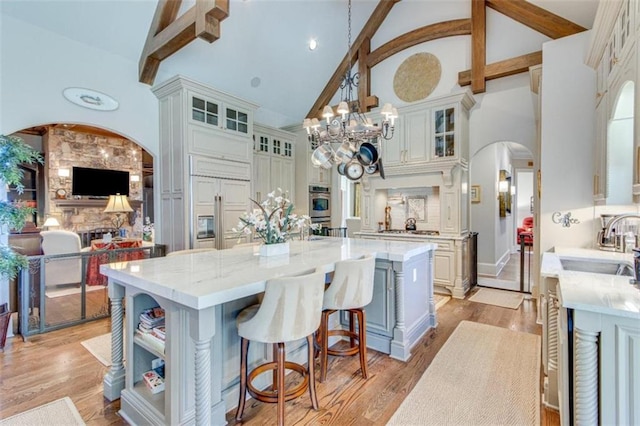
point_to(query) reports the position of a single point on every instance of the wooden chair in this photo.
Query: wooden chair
(290, 311)
(334, 232)
(351, 289)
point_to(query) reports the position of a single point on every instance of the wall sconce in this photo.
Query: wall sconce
(63, 174)
(135, 181)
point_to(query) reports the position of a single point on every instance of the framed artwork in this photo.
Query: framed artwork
(417, 208)
(475, 193)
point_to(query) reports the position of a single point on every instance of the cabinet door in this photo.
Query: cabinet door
(416, 136)
(277, 177)
(261, 176)
(393, 150)
(444, 136)
(287, 178)
(450, 210)
(443, 268)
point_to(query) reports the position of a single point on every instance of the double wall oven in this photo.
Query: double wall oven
(320, 205)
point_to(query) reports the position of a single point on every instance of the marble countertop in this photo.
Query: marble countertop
(418, 237)
(206, 279)
(600, 293)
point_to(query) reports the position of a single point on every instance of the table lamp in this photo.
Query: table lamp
(118, 204)
(51, 222)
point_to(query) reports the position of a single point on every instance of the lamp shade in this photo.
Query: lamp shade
(51, 221)
(117, 204)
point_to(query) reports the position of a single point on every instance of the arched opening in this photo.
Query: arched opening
(501, 181)
(68, 146)
(620, 148)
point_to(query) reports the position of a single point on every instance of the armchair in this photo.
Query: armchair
(527, 226)
(67, 270)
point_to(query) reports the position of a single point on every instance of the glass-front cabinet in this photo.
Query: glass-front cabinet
(444, 132)
(29, 197)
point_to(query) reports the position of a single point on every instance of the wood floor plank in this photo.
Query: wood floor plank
(55, 364)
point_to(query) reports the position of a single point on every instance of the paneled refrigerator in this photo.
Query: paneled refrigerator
(217, 206)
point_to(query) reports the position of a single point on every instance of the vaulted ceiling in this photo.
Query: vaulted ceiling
(262, 52)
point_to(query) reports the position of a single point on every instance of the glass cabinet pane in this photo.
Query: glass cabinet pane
(449, 146)
(439, 121)
(439, 146)
(450, 119)
(277, 147)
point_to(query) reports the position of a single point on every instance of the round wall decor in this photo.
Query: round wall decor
(417, 77)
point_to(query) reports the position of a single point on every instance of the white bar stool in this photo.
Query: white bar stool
(290, 310)
(351, 289)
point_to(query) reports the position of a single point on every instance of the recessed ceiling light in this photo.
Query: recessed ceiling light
(91, 99)
(255, 82)
(313, 43)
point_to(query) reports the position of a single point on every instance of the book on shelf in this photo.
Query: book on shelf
(159, 332)
(153, 381)
(153, 317)
(151, 340)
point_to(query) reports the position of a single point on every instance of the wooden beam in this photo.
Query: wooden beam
(169, 33)
(209, 13)
(535, 17)
(504, 68)
(417, 36)
(165, 14)
(364, 85)
(478, 45)
(375, 20)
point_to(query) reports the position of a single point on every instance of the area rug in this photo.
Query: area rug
(505, 299)
(482, 375)
(440, 300)
(59, 412)
(100, 347)
(501, 284)
(52, 292)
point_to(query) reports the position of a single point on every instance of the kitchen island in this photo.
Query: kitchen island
(201, 295)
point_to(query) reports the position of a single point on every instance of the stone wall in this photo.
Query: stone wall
(65, 149)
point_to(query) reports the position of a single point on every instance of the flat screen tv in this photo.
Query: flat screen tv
(99, 182)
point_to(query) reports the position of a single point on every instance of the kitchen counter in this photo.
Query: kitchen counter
(452, 259)
(202, 293)
(592, 292)
(591, 337)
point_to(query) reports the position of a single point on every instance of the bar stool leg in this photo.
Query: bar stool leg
(352, 328)
(244, 350)
(312, 375)
(324, 335)
(280, 387)
(362, 341)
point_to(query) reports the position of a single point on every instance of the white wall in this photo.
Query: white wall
(37, 65)
(567, 140)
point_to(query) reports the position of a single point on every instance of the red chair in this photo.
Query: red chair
(527, 229)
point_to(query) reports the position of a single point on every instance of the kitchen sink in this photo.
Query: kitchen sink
(598, 266)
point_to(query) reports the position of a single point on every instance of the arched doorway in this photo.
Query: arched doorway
(502, 173)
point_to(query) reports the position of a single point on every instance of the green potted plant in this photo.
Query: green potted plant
(13, 153)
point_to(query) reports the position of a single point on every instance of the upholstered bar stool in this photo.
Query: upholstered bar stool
(351, 289)
(290, 310)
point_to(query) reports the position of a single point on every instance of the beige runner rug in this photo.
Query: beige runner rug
(482, 375)
(505, 299)
(61, 412)
(100, 347)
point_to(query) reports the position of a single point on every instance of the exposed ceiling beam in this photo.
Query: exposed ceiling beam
(535, 17)
(368, 31)
(169, 33)
(427, 33)
(504, 68)
(478, 45)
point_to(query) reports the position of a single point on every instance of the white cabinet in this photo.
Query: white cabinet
(273, 161)
(210, 127)
(427, 132)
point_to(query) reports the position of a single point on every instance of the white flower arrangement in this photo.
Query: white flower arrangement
(273, 221)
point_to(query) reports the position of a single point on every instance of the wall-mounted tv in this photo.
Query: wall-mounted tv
(99, 182)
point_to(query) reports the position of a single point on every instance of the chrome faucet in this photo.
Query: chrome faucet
(615, 220)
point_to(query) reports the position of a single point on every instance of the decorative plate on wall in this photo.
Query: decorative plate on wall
(89, 98)
(417, 77)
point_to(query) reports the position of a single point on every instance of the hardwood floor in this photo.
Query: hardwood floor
(53, 365)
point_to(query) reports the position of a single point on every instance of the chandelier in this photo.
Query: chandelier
(356, 134)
